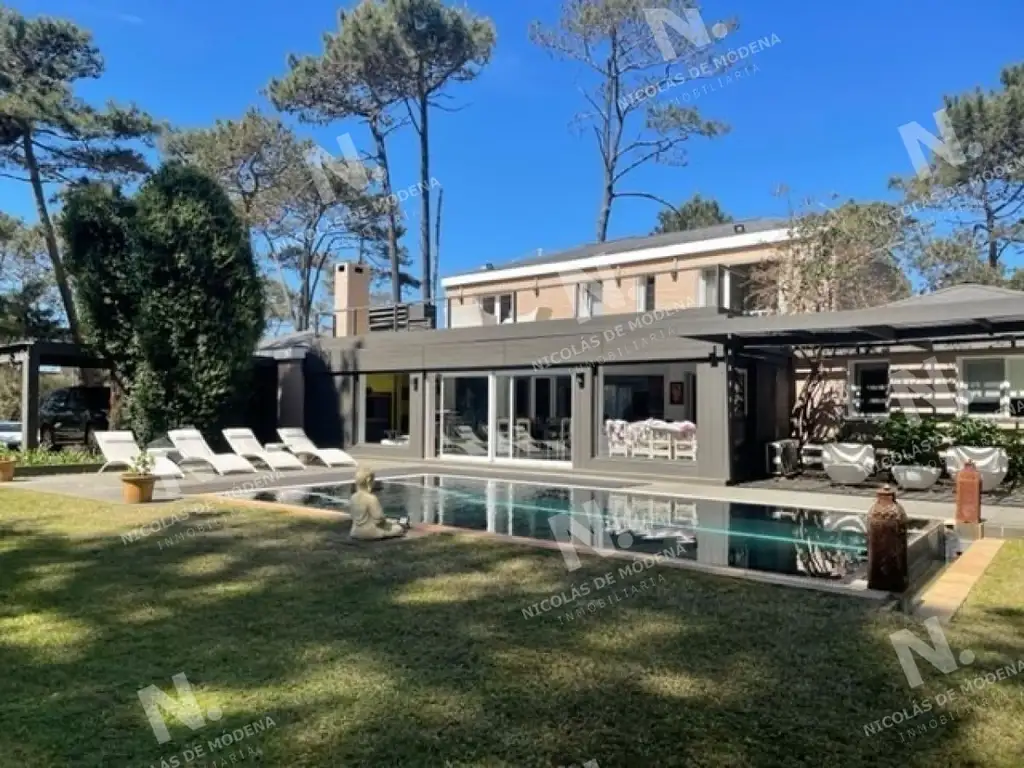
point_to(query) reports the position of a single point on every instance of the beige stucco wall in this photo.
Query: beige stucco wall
(676, 283)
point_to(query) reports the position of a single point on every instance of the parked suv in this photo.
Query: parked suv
(73, 415)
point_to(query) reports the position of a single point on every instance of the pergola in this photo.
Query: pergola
(966, 313)
(31, 355)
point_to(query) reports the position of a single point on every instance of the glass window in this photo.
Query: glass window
(870, 390)
(709, 283)
(589, 299)
(522, 401)
(524, 429)
(542, 397)
(56, 400)
(501, 306)
(386, 409)
(645, 293)
(647, 411)
(563, 397)
(983, 381)
(506, 307)
(464, 404)
(1015, 378)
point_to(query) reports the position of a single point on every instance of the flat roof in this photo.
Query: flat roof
(905, 321)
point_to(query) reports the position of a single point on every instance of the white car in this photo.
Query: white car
(10, 434)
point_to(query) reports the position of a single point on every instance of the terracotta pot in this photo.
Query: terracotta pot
(137, 489)
(6, 470)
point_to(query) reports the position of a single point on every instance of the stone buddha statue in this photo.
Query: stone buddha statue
(368, 521)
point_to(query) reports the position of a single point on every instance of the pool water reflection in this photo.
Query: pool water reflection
(786, 540)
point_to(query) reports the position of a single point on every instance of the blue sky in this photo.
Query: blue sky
(819, 115)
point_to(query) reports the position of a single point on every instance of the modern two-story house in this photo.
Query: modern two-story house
(645, 355)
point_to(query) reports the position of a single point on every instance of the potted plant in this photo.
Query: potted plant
(913, 446)
(137, 483)
(7, 460)
(981, 442)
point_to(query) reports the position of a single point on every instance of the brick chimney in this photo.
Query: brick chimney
(351, 299)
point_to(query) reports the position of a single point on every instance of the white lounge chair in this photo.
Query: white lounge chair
(848, 463)
(193, 449)
(992, 463)
(296, 441)
(244, 443)
(119, 449)
(466, 441)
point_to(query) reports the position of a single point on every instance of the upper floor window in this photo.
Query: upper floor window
(710, 292)
(869, 388)
(589, 298)
(502, 307)
(645, 294)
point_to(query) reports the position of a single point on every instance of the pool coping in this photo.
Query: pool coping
(774, 579)
(946, 595)
(763, 577)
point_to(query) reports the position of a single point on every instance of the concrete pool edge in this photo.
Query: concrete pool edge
(763, 577)
(946, 595)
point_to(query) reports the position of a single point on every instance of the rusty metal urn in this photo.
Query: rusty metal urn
(887, 544)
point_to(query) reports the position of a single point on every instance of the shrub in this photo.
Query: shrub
(43, 458)
(912, 441)
(974, 433)
(169, 293)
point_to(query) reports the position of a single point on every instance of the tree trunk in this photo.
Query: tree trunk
(425, 203)
(990, 232)
(50, 236)
(606, 207)
(382, 163)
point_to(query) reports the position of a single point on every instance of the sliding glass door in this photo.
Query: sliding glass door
(505, 416)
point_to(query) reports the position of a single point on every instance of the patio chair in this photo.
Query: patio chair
(244, 443)
(992, 463)
(848, 463)
(193, 449)
(466, 441)
(119, 449)
(659, 436)
(527, 443)
(617, 432)
(684, 440)
(639, 433)
(296, 441)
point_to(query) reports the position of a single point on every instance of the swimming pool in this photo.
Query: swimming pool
(784, 540)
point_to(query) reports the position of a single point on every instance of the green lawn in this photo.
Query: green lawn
(418, 654)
